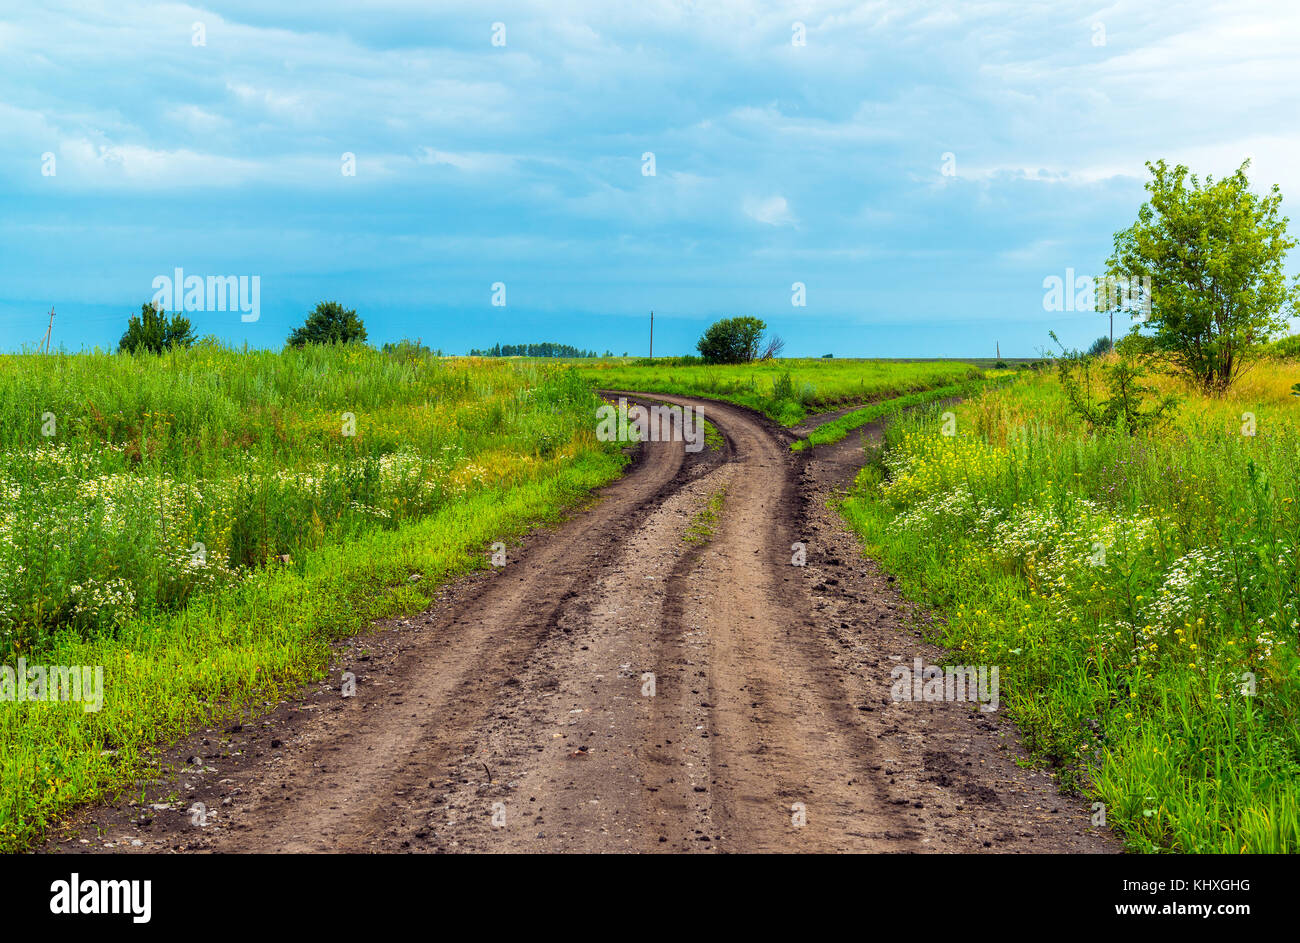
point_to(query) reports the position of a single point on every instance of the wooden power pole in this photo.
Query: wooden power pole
(49, 332)
(652, 335)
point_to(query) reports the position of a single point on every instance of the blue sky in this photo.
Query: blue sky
(478, 163)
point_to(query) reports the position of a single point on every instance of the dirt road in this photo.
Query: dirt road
(618, 687)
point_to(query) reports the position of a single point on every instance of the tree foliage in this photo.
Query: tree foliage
(1100, 346)
(152, 330)
(732, 340)
(329, 323)
(1214, 253)
(1288, 348)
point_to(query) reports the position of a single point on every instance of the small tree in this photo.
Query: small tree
(1123, 408)
(773, 348)
(329, 323)
(1100, 346)
(152, 331)
(731, 340)
(1214, 255)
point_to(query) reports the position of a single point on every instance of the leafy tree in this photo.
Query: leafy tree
(1214, 255)
(1100, 346)
(1136, 345)
(329, 323)
(732, 340)
(151, 330)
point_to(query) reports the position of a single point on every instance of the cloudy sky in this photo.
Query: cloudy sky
(920, 167)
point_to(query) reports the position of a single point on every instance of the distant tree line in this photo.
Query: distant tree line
(546, 349)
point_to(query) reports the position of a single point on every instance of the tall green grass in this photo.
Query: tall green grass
(203, 523)
(1141, 595)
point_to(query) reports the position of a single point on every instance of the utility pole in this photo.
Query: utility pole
(652, 335)
(49, 331)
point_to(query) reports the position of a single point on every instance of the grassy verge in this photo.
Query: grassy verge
(308, 524)
(712, 437)
(838, 429)
(1141, 595)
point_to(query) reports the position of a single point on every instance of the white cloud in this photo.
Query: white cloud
(772, 210)
(85, 162)
(1040, 251)
(469, 162)
(199, 121)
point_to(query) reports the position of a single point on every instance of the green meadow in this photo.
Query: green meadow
(202, 524)
(785, 390)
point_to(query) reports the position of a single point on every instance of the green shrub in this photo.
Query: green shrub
(151, 331)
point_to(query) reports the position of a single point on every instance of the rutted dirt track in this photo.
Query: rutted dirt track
(516, 715)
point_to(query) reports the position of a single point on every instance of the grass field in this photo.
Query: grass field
(202, 524)
(1141, 594)
(885, 410)
(785, 390)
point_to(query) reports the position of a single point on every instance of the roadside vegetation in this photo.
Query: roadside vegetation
(840, 428)
(1140, 593)
(713, 439)
(203, 522)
